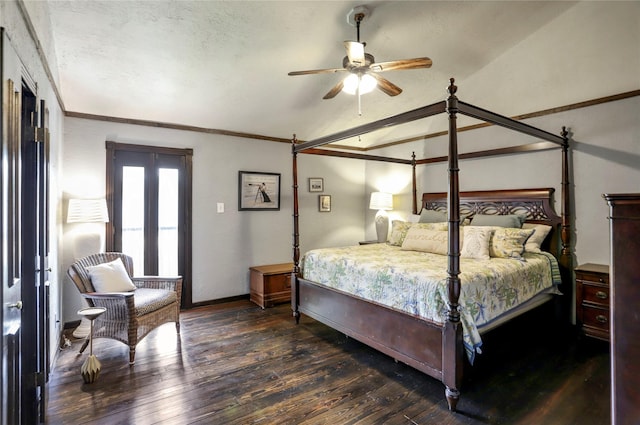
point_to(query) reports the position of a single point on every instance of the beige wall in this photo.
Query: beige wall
(224, 245)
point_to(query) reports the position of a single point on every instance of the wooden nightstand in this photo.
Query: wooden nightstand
(592, 300)
(271, 284)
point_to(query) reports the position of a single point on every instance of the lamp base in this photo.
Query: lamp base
(90, 370)
(382, 225)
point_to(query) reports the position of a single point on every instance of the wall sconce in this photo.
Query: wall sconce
(382, 202)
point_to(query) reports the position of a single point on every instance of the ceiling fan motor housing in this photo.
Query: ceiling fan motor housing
(368, 60)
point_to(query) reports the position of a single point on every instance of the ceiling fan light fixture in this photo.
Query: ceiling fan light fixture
(367, 84)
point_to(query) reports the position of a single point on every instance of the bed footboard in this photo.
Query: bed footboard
(406, 338)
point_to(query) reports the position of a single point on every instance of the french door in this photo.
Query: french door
(149, 200)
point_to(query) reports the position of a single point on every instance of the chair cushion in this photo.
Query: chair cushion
(148, 300)
(110, 277)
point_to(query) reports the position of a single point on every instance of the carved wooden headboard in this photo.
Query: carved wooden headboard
(537, 204)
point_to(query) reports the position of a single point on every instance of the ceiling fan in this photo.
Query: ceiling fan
(363, 70)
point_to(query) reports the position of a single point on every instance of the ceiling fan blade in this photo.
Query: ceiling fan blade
(317, 71)
(401, 64)
(355, 52)
(334, 91)
(386, 86)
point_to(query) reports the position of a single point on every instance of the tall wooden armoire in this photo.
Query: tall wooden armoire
(624, 229)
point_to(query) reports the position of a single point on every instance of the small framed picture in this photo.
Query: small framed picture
(316, 184)
(324, 203)
(258, 191)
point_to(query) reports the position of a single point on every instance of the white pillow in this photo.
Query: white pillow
(110, 277)
(534, 242)
(476, 242)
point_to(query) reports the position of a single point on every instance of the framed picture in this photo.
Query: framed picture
(258, 191)
(316, 184)
(324, 203)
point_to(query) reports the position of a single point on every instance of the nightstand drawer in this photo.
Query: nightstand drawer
(277, 283)
(587, 277)
(595, 317)
(595, 294)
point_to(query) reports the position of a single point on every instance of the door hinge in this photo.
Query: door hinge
(39, 379)
(39, 134)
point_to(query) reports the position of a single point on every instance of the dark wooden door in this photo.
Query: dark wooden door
(10, 189)
(43, 269)
(33, 220)
(24, 196)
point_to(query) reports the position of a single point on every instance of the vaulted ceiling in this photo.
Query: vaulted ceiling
(224, 64)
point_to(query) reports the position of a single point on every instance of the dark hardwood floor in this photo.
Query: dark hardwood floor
(238, 364)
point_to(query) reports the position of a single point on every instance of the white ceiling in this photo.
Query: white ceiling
(224, 64)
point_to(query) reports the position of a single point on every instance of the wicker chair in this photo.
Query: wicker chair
(130, 316)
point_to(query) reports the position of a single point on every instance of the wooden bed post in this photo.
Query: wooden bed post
(452, 346)
(566, 201)
(415, 192)
(566, 257)
(296, 235)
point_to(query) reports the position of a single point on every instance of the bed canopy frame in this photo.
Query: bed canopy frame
(450, 372)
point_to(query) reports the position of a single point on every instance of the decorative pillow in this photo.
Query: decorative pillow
(432, 216)
(509, 242)
(506, 220)
(476, 240)
(399, 230)
(535, 241)
(110, 277)
(425, 240)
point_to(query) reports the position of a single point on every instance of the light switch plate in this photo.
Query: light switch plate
(220, 207)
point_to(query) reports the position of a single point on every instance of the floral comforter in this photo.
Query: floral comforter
(415, 282)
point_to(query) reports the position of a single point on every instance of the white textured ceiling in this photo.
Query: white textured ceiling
(223, 64)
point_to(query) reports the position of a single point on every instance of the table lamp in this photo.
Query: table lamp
(382, 202)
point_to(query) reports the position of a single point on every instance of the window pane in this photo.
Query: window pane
(133, 216)
(168, 222)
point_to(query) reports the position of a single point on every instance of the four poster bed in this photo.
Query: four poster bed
(381, 304)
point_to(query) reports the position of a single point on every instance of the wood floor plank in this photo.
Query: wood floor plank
(240, 364)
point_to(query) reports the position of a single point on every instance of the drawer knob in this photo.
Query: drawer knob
(601, 318)
(602, 295)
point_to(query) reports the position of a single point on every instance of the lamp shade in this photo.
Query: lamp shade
(381, 201)
(87, 211)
